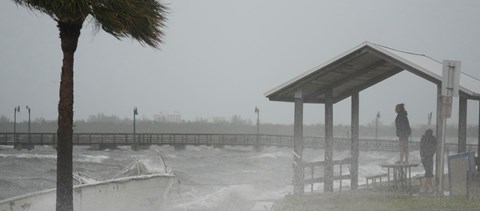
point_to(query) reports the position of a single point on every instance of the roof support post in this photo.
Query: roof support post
(478, 136)
(328, 171)
(355, 141)
(462, 124)
(439, 133)
(298, 172)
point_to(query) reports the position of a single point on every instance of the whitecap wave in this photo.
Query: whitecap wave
(265, 155)
(90, 158)
(29, 156)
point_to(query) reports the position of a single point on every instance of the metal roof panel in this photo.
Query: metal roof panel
(362, 67)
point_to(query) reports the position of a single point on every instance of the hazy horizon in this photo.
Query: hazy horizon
(220, 58)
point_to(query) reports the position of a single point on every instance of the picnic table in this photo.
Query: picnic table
(400, 174)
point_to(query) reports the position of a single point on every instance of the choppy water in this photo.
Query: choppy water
(232, 178)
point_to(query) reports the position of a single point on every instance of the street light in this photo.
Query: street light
(258, 127)
(15, 110)
(135, 112)
(376, 126)
(258, 119)
(28, 108)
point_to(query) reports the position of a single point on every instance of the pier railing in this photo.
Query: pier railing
(129, 139)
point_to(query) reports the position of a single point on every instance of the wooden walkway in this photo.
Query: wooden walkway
(127, 139)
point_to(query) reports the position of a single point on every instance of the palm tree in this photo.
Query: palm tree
(139, 19)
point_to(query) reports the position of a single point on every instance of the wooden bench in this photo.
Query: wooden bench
(375, 179)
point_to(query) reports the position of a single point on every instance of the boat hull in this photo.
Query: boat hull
(142, 193)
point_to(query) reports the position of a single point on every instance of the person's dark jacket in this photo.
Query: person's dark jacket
(428, 145)
(402, 125)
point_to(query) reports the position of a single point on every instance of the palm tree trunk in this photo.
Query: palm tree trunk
(69, 33)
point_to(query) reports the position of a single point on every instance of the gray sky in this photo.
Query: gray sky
(221, 56)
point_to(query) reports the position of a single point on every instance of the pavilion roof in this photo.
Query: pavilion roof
(361, 67)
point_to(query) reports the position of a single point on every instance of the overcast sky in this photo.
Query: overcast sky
(219, 57)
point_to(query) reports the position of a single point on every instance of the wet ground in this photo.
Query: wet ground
(376, 199)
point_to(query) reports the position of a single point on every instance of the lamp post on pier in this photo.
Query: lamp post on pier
(135, 112)
(29, 135)
(15, 110)
(28, 109)
(257, 147)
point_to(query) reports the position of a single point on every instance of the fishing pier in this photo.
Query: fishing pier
(181, 140)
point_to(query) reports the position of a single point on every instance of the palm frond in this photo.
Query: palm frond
(142, 20)
(63, 10)
(138, 19)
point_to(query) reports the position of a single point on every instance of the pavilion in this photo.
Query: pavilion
(345, 76)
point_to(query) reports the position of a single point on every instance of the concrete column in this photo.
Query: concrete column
(298, 172)
(355, 141)
(328, 171)
(462, 124)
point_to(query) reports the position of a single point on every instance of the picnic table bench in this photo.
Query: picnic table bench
(376, 180)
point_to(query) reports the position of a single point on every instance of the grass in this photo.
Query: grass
(375, 200)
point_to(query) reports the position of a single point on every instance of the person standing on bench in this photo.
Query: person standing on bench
(428, 146)
(403, 131)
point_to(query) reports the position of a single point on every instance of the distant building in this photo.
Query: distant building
(175, 117)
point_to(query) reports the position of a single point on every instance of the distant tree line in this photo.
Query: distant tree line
(102, 123)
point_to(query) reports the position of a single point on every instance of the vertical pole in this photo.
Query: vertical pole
(341, 177)
(446, 105)
(376, 127)
(258, 124)
(439, 133)
(328, 172)
(462, 124)
(478, 137)
(29, 135)
(449, 89)
(355, 142)
(258, 147)
(298, 171)
(28, 108)
(14, 122)
(134, 136)
(15, 110)
(442, 160)
(135, 112)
